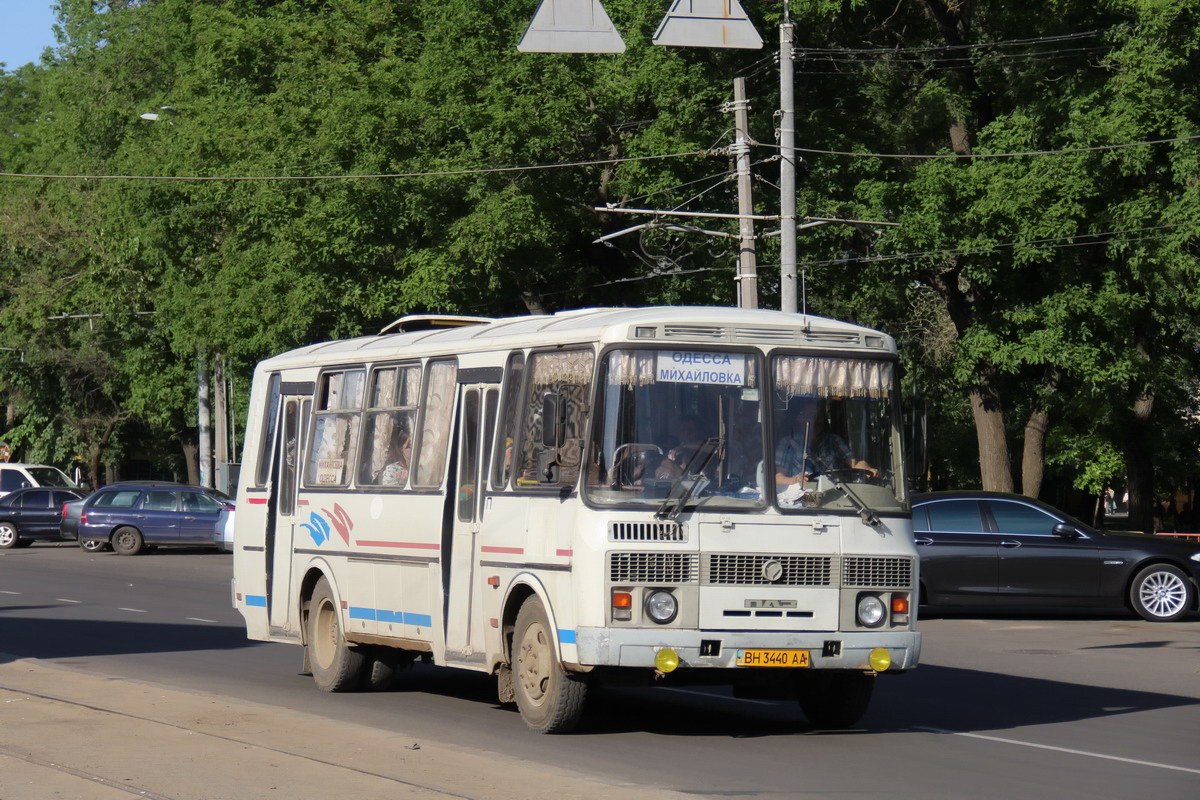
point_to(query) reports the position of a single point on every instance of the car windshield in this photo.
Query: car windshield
(50, 476)
(658, 409)
(836, 434)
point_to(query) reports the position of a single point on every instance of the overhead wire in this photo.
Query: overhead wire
(1021, 154)
(966, 46)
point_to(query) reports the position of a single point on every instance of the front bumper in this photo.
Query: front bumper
(636, 647)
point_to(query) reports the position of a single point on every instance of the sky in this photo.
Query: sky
(25, 30)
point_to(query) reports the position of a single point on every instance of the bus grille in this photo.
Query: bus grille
(876, 573)
(673, 568)
(646, 532)
(747, 569)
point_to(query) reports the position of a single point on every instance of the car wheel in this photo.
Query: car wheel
(8, 536)
(336, 665)
(834, 699)
(1161, 593)
(551, 699)
(93, 545)
(127, 541)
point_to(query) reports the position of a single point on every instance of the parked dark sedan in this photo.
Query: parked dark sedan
(27, 515)
(132, 516)
(989, 548)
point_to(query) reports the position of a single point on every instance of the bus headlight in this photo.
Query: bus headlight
(661, 606)
(870, 611)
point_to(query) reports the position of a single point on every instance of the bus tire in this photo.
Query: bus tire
(550, 699)
(127, 541)
(336, 665)
(834, 699)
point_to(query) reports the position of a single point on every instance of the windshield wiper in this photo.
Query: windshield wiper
(865, 512)
(672, 506)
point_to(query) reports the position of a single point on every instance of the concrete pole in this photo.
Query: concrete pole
(747, 280)
(220, 421)
(204, 425)
(787, 168)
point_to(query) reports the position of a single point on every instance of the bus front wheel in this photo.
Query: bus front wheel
(833, 699)
(335, 665)
(551, 699)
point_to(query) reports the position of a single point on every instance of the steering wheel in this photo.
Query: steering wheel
(853, 475)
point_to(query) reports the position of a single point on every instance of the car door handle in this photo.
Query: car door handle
(1010, 543)
(190, 519)
(923, 540)
(139, 516)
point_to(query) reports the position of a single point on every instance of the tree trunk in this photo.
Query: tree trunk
(191, 457)
(1033, 456)
(995, 471)
(1139, 465)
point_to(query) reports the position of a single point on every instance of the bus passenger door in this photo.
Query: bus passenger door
(279, 584)
(477, 418)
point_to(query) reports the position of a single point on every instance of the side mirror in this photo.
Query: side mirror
(1066, 531)
(554, 420)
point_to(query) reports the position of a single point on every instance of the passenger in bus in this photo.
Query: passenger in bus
(399, 455)
(811, 449)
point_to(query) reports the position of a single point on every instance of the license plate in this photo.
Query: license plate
(773, 658)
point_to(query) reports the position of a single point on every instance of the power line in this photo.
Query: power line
(1064, 151)
(1066, 37)
(431, 174)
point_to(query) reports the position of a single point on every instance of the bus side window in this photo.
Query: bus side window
(503, 465)
(438, 408)
(338, 402)
(568, 375)
(267, 433)
(389, 427)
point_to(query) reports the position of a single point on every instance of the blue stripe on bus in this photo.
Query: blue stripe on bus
(258, 600)
(397, 617)
(566, 636)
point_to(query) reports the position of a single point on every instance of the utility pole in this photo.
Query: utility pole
(787, 166)
(747, 280)
(205, 425)
(220, 424)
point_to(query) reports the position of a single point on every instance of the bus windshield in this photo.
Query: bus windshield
(672, 416)
(52, 477)
(836, 434)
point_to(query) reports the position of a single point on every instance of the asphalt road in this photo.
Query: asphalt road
(1032, 705)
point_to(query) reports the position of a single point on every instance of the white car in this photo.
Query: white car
(24, 476)
(224, 533)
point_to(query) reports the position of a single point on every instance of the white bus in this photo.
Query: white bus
(666, 495)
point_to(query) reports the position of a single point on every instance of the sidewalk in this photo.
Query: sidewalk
(69, 735)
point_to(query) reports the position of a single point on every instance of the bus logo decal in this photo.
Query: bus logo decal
(318, 528)
(341, 521)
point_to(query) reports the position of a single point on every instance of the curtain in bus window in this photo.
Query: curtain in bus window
(386, 456)
(833, 377)
(267, 439)
(333, 445)
(568, 375)
(435, 432)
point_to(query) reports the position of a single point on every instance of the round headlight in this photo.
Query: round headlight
(661, 606)
(870, 610)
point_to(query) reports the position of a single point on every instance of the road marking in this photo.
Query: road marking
(201, 619)
(1105, 756)
(9, 592)
(135, 610)
(65, 600)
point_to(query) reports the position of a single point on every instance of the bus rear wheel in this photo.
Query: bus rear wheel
(834, 699)
(551, 699)
(335, 665)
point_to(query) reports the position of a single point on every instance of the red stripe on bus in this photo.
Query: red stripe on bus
(302, 502)
(567, 553)
(514, 550)
(412, 545)
(256, 501)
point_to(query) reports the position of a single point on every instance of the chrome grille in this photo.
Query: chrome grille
(831, 336)
(646, 532)
(876, 573)
(746, 569)
(667, 568)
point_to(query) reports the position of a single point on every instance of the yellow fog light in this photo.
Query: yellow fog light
(880, 659)
(666, 660)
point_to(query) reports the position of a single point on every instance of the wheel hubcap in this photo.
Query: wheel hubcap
(7, 535)
(324, 639)
(533, 663)
(1163, 594)
(126, 541)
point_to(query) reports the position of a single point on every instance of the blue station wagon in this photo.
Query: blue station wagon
(132, 516)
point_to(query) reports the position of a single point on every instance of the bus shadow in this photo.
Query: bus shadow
(28, 637)
(931, 698)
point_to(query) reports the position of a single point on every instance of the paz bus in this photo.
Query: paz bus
(669, 496)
